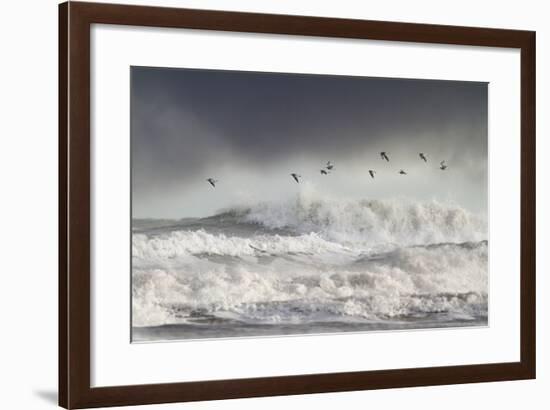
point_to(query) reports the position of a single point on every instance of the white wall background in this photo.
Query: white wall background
(28, 177)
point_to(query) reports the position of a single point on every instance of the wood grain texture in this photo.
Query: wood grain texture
(62, 207)
(74, 204)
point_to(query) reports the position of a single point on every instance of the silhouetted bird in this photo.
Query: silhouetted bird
(442, 166)
(371, 172)
(402, 172)
(421, 155)
(330, 165)
(212, 181)
(296, 176)
(384, 156)
(323, 172)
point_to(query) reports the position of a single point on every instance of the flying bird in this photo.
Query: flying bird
(384, 156)
(330, 165)
(421, 155)
(212, 181)
(323, 172)
(371, 172)
(442, 166)
(402, 172)
(296, 176)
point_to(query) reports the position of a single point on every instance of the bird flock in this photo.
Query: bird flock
(329, 167)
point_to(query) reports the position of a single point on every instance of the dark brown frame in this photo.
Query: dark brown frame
(75, 20)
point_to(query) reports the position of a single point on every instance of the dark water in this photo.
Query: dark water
(211, 328)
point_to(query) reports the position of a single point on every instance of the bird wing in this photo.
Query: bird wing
(295, 178)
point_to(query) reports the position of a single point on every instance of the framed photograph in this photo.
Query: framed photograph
(257, 205)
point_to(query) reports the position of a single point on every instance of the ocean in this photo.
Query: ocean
(309, 265)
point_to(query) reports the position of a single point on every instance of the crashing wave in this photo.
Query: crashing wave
(172, 280)
(313, 260)
(373, 221)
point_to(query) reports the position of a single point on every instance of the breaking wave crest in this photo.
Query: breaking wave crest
(369, 221)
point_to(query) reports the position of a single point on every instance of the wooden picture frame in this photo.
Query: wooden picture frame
(75, 20)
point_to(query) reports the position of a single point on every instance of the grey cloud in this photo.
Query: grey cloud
(187, 124)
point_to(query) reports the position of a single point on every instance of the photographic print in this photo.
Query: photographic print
(273, 204)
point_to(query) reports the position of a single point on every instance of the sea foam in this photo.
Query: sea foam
(336, 260)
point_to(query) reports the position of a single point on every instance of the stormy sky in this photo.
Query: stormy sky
(251, 130)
